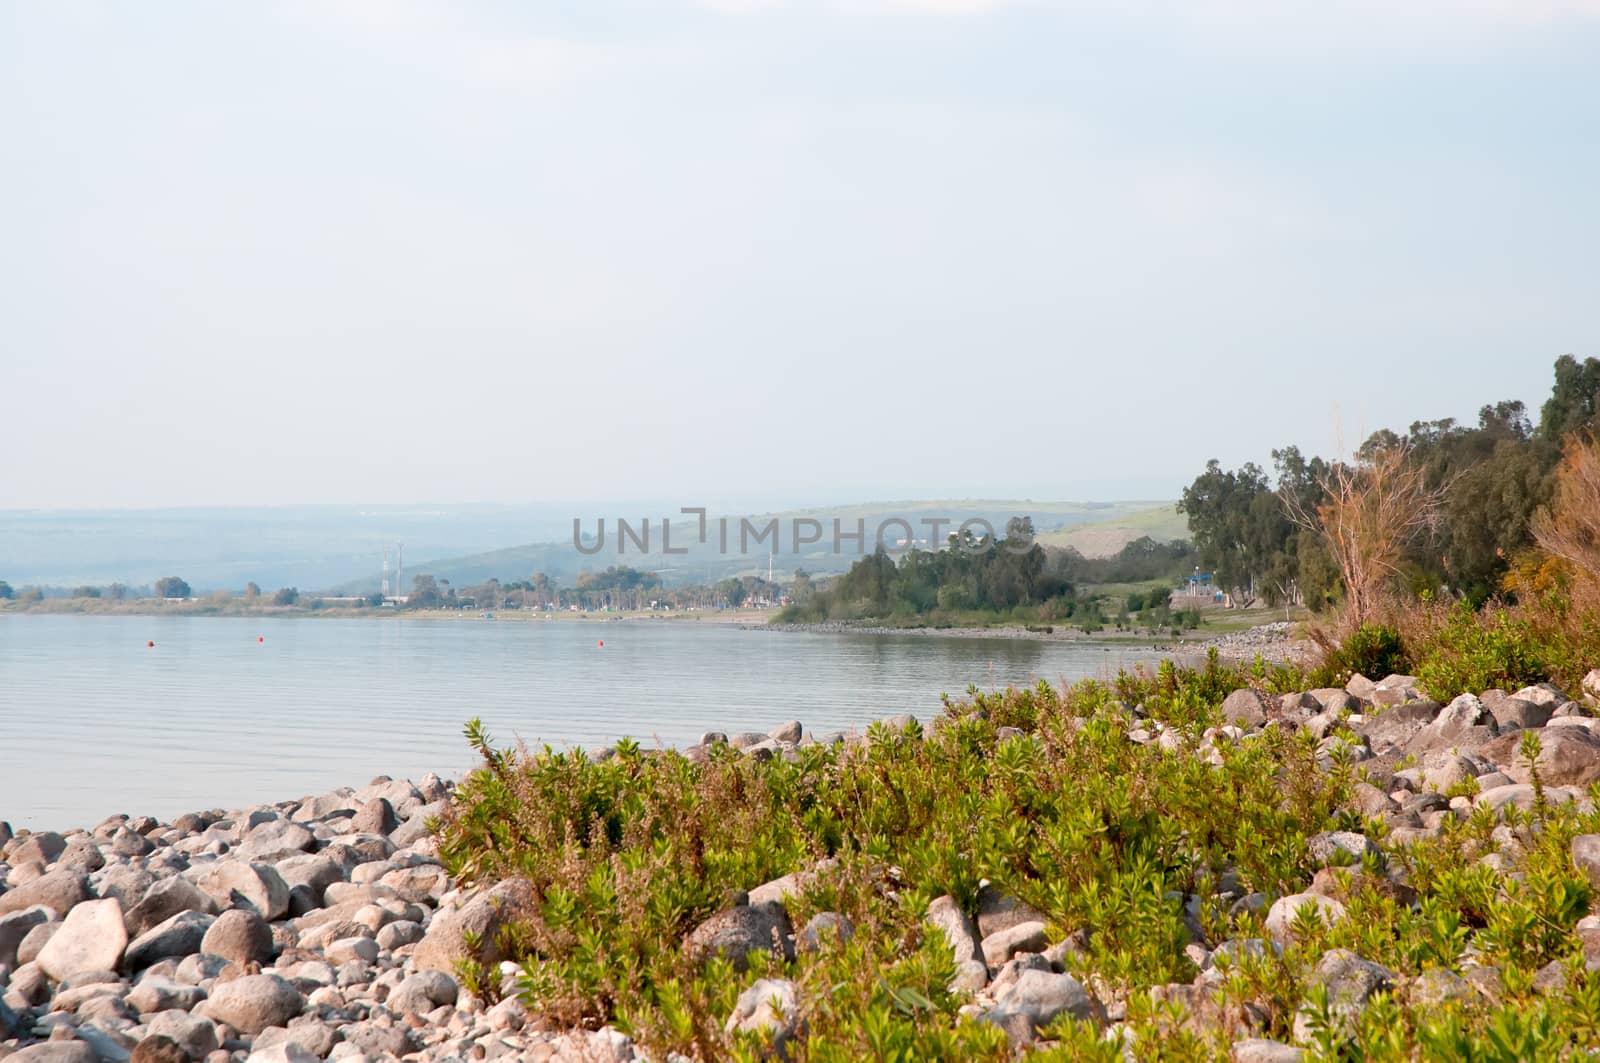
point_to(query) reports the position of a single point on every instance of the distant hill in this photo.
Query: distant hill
(1105, 538)
(706, 562)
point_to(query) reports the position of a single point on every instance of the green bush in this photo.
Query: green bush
(1475, 651)
(1373, 650)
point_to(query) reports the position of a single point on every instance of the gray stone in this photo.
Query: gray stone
(316, 872)
(788, 733)
(154, 995)
(34, 941)
(397, 934)
(822, 930)
(307, 1031)
(195, 1034)
(1037, 999)
(1545, 694)
(1350, 981)
(1246, 708)
(420, 993)
(1004, 944)
(82, 855)
(15, 927)
(165, 899)
(1339, 847)
(1281, 916)
(239, 935)
(483, 915)
(177, 937)
(56, 1052)
(1261, 1050)
(60, 890)
(771, 1008)
(1586, 856)
(998, 910)
(959, 930)
(1514, 712)
(375, 817)
(91, 939)
(1437, 986)
(376, 1039)
(276, 840)
(44, 846)
(1568, 756)
(282, 1052)
(736, 932)
(254, 1002)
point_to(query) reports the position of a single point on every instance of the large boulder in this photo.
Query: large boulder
(1586, 856)
(1281, 916)
(734, 933)
(770, 1007)
(60, 890)
(1395, 727)
(420, 993)
(999, 910)
(276, 840)
(1350, 982)
(15, 926)
(254, 1002)
(91, 939)
(482, 916)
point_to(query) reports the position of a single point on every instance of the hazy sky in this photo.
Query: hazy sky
(388, 251)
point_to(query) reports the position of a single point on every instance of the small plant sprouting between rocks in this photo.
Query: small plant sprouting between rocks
(1152, 840)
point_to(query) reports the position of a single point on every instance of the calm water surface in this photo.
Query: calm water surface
(92, 721)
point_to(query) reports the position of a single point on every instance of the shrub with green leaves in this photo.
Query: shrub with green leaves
(1126, 841)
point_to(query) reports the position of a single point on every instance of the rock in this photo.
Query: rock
(1514, 712)
(791, 885)
(165, 899)
(1261, 1050)
(788, 733)
(1591, 686)
(195, 1034)
(35, 940)
(1281, 916)
(236, 884)
(998, 910)
(377, 1039)
(1545, 694)
(420, 993)
(1004, 944)
(1360, 687)
(1395, 690)
(1246, 708)
(44, 846)
(1586, 856)
(154, 995)
(1037, 999)
(395, 935)
(1437, 987)
(308, 1031)
(1568, 756)
(91, 939)
(1350, 981)
(159, 1049)
(128, 883)
(770, 1007)
(82, 855)
(375, 817)
(358, 948)
(736, 932)
(240, 936)
(316, 872)
(15, 927)
(275, 840)
(959, 930)
(254, 1002)
(177, 937)
(282, 1052)
(823, 929)
(61, 891)
(56, 1052)
(1340, 847)
(483, 914)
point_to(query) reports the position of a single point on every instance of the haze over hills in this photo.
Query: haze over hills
(340, 548)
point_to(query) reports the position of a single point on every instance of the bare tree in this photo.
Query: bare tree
(1370, 512)
(1569, 528)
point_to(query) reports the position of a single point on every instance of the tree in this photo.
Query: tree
(172, 587)
(1573, 401)
(117, 591)
(252, 591)
(1569, 528)
(6, 593)
(86, 592)
(286, 596)
(424, 592)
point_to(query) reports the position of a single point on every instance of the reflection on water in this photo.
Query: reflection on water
(92, 721)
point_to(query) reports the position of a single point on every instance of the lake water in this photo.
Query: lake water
(93, 721)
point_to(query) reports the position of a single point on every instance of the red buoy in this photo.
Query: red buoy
(602, 642)
(260, 638)
(150, 643)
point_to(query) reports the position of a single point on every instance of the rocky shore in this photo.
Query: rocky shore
(328, 928)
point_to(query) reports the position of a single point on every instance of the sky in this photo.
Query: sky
(795, 252)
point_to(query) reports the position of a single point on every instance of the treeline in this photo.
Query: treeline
(617, 588)
(1471, 493)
